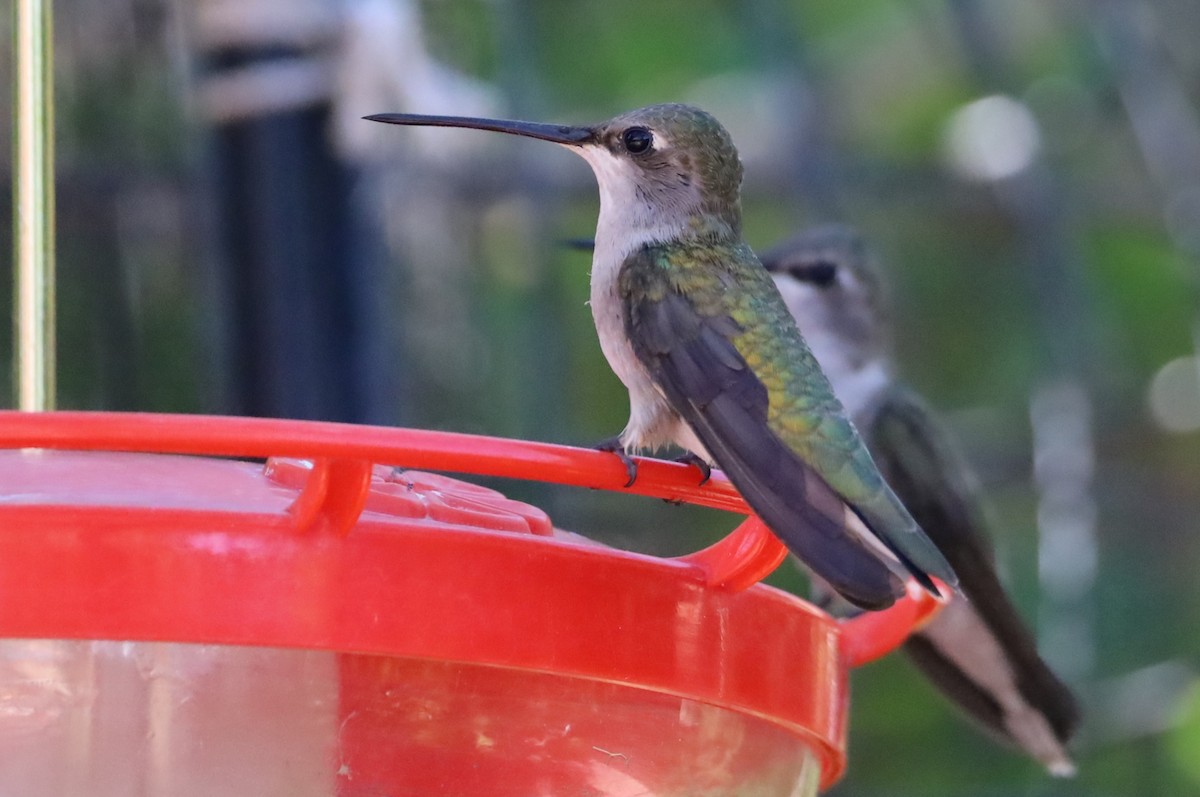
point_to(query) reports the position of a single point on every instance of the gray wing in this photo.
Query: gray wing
(691, 357)
(916, 458)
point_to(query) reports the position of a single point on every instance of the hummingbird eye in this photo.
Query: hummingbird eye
(637, 140)
(821, 273)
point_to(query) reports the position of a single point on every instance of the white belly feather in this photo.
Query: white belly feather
(652, 422)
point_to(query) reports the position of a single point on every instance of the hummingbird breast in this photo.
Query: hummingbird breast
(652, 422)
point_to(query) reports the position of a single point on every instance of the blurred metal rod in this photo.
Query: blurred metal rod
(33, 202)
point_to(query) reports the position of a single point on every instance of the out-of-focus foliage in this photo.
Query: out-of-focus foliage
(1080, 265)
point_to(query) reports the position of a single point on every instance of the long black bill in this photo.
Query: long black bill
(559, 134)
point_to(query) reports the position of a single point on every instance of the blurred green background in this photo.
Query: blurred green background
(232, 238)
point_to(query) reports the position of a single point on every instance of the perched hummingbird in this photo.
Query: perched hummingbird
(697, 331)
(976, 651)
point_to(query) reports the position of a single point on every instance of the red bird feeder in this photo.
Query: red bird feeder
(179, 622)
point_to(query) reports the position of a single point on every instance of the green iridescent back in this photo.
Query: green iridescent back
(802, 409)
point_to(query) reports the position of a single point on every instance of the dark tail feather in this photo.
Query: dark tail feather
(983, 632)
(1032, 710)
(919, 575)
(810, 518)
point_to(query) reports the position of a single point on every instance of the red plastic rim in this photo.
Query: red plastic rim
(324, 547)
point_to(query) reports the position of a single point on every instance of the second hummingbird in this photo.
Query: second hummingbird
(977, 651)
(695, 328)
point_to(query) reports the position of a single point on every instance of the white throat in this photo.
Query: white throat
(627, 220)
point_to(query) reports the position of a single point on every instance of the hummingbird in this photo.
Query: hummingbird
(976, 651)
(694, 327)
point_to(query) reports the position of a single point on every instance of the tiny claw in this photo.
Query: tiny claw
(699, 464)
(613, 446)
(397, 476)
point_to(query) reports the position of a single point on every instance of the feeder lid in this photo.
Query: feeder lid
(321, 549)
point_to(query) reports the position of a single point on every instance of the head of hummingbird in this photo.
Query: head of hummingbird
(665, 171)
(830, 283)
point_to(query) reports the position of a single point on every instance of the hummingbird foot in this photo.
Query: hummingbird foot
(697, 461)
(613, 445)
(397, 475)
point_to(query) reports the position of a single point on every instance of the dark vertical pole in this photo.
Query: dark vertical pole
(298, 268)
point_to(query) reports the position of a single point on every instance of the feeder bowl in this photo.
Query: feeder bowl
(198, 605)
